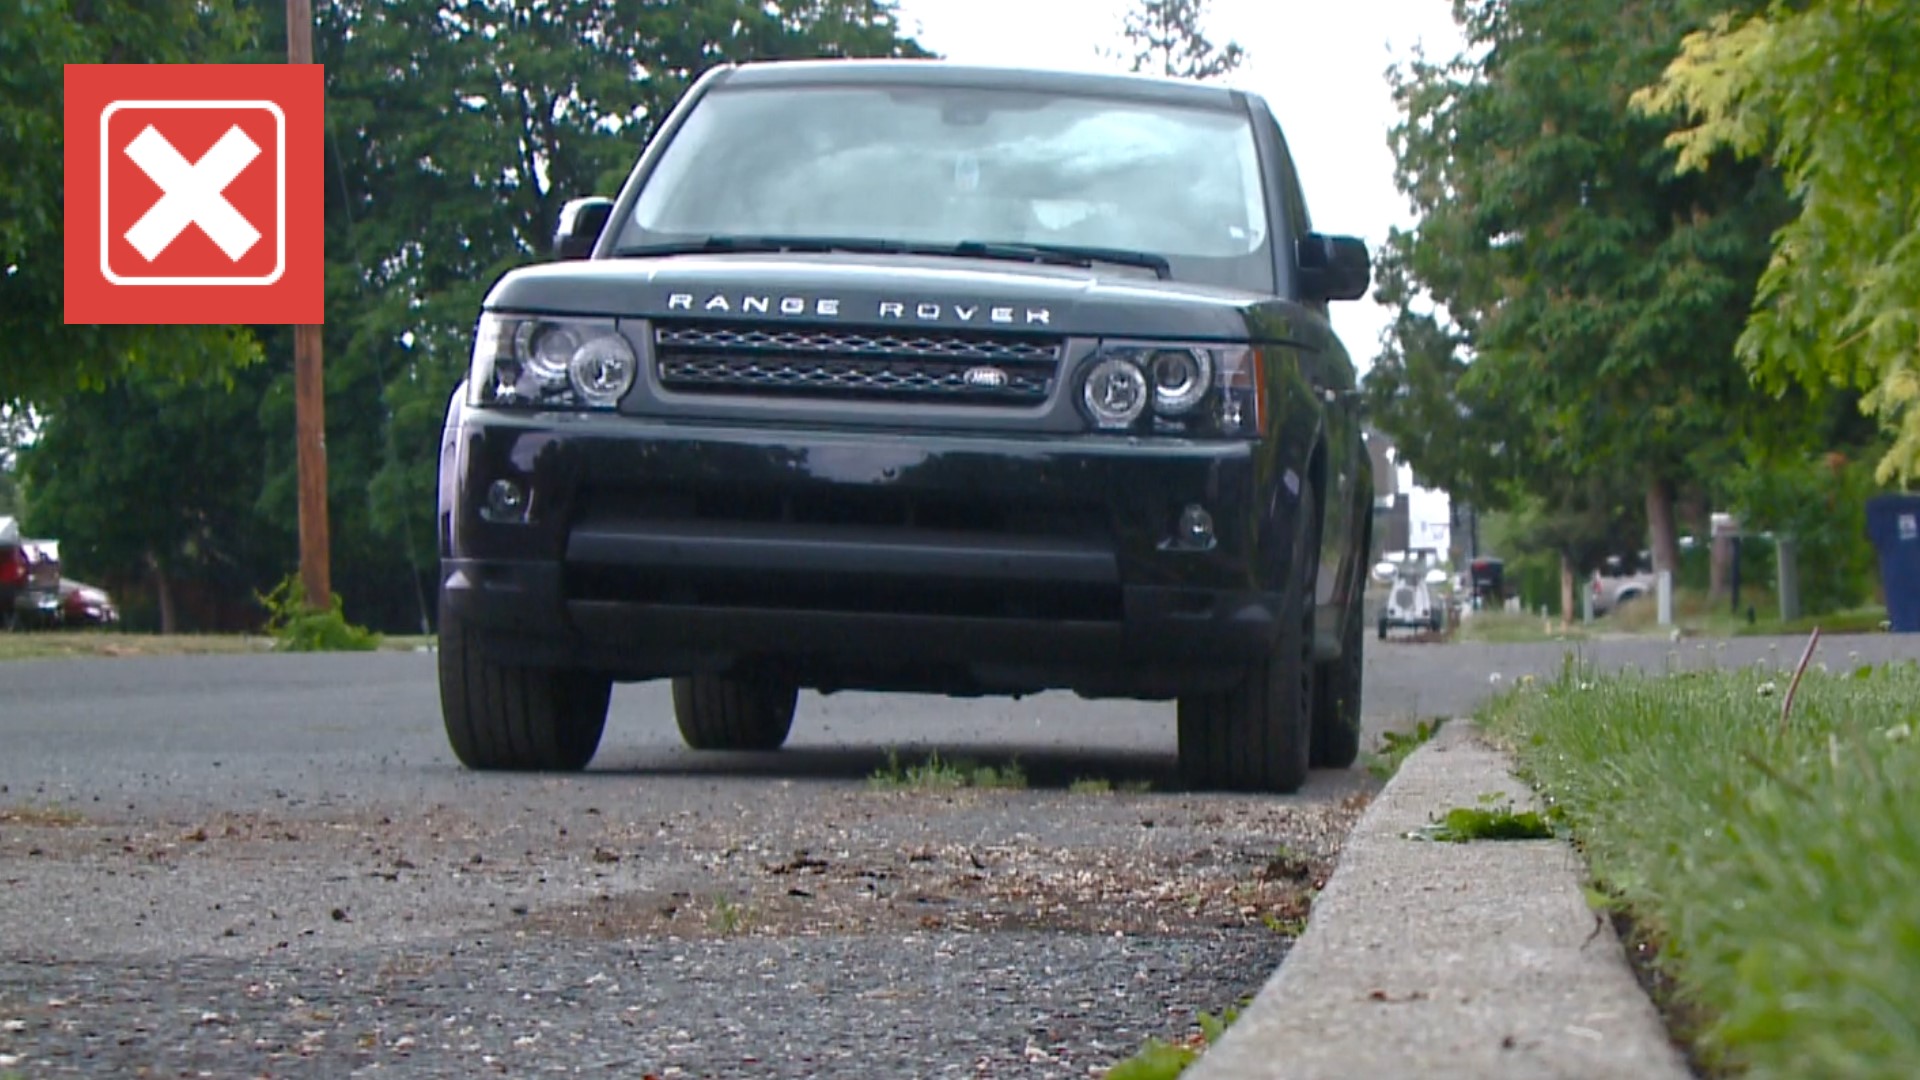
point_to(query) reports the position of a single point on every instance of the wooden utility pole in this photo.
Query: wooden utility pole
(310, 393)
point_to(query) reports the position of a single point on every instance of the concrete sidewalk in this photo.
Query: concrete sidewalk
(1426, 959)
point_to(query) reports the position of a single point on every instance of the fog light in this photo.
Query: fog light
(1196, 527)
(506, 501)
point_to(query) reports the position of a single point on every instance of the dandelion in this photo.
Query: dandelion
(1768, 689)
(1900, 733)
(1494, 679)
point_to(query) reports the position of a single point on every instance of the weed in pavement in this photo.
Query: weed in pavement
(1464, 823)
(1162, 1060)
(1776, 863)
(1396, 746)
(728, 917)
(939, 774)
(297, 626)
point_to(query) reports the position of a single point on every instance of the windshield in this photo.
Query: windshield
(946, 166)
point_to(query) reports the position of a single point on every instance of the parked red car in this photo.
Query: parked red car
(82, 604)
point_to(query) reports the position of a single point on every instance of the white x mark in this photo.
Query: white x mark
(192, 193)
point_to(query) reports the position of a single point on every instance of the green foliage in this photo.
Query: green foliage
(1397, 746)
(1826, 90)
(150, 477)
(1166, 38)
(45, 357)
(1820, 501)
(296, 626)
(1158, 1059)
(1567, 304)
(455, 130)
(1464, 823)
(1777, 865)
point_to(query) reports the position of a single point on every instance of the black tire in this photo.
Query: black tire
(1256, 735)
(716, 713)
(1336, 705)
(519, 719)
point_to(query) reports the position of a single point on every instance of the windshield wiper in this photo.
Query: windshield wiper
(1065, 254)
(723, 242)
(1056, 254)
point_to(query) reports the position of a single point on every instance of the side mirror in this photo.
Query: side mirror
(1334, 267)
(579, 228)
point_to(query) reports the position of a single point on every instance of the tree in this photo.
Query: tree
(1826, 90)
(458, 128)
(16, 431)
(37, 37)
(1568, 303)
(1166, 39)
(149, 479)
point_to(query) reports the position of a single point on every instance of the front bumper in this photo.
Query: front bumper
(866, 560)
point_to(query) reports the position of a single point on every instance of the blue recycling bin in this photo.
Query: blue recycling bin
(1893, 523)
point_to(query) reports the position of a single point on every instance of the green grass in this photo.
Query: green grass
(938, 774)
(63, 645)
(1774, 865)
(1695, 616)
(1508, 628)
(1866, 620)
(110, 644)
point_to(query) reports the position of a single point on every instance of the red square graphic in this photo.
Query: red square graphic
(194, 193)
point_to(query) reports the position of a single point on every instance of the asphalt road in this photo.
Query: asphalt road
(271, 865)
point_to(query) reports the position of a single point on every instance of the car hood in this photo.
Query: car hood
(924, 292)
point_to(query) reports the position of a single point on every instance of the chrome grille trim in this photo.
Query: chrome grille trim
(849, 364)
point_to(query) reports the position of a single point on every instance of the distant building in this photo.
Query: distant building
(1392, 508)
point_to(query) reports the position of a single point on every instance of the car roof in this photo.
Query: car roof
(845, 72)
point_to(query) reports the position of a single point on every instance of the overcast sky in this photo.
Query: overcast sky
(1321, 66)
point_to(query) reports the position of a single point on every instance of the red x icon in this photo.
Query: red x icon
(194, 193)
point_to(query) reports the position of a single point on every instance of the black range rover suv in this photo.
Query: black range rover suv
(901, 375)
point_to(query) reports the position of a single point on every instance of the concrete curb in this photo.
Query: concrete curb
(1441, 960)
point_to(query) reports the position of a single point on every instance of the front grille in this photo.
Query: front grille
(949, 366)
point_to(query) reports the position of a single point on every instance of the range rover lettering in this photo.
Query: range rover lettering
(909, 376)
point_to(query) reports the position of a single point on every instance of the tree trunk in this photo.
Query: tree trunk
(1567, 609)
(1665, 538)
(163, 594)
(1720, 552)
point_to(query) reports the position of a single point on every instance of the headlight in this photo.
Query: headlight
(1176, 389)
(550, 363)
(1180, 377)
(1115, 392)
